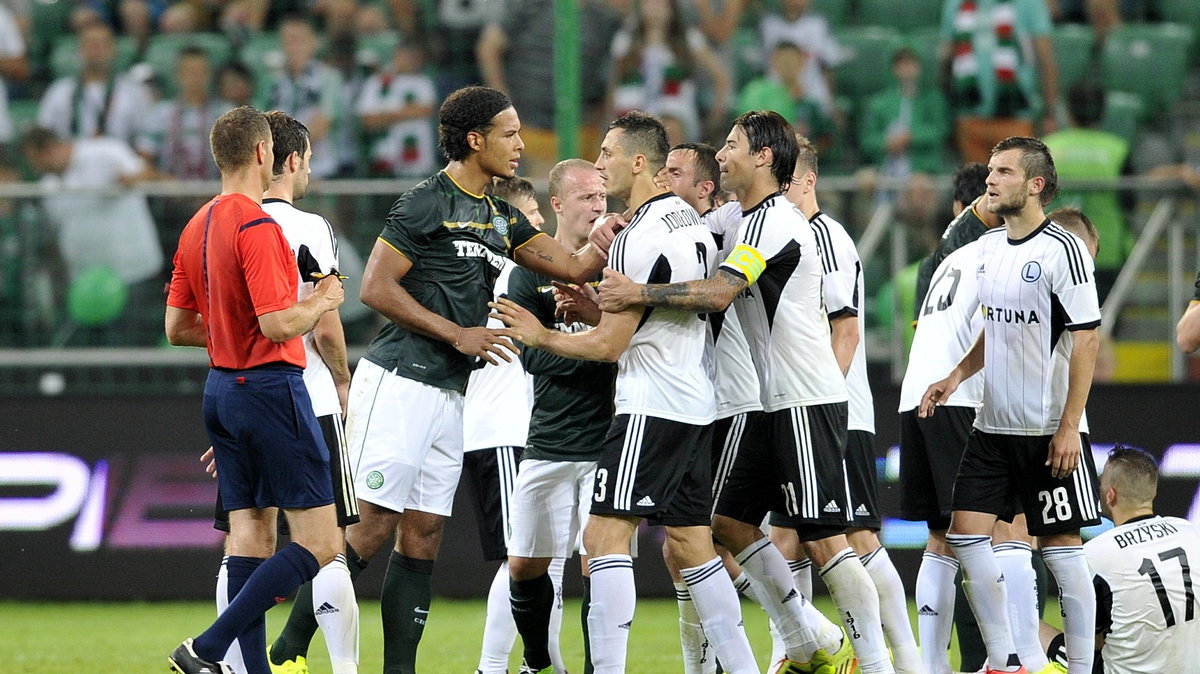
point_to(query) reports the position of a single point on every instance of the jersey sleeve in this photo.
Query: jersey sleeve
(179, 294)
(520, 230)
(326, 250)
(757, 245)
(268, 264)
(1103, 605)
(410, 224)
(840, 265)
(1074, 285)
(637, 259)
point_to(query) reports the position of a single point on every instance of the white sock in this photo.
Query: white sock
(336, 611)
(1077, 597)
(802, 576)
(233, 657)
(986, 590)
(854, 594)
(893, 610)
(1014, 559)
(611, 614)
(556, 616)
(697, 658)
(720, 613)
(935, 610)
(499, 630)
(766, 566)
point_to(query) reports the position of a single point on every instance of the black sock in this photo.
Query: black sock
(407, 589)
(532, 601)
(583, 617)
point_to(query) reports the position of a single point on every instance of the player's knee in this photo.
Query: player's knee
(526, 568)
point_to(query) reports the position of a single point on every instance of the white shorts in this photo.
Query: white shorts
(549, 506)
(405, 440)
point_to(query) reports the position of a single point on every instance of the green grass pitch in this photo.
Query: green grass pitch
(124, 638)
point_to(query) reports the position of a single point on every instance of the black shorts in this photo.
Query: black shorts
(340, 473)
(862, 480)
(930, 451)
(492, 473)
(728, 434)
(996, 467)
(657, 469)
(792, 462)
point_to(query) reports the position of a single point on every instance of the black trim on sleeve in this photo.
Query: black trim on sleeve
(255, 223)
(844, 311)
(1103, 605)
(1084, 326)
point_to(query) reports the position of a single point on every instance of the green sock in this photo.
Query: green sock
(583, 616)
(301, 624)
(407, 589)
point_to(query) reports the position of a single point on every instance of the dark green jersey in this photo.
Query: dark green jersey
(572, 399)
(962, 230)
(456, 241)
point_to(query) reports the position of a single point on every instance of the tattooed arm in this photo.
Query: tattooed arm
(617, 292)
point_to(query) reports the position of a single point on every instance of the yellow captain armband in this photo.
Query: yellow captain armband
(748, 261)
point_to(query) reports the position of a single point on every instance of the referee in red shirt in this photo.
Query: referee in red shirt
(233, 290)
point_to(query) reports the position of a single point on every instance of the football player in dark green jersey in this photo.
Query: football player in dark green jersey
(430, 274)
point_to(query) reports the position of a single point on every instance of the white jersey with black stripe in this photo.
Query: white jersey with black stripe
(843, 292)
(665, 371)
(499, 399)
(1033, 293)
(315, 234)
(781, 311)
(1146, 599)
(737, 380)
(948, 323)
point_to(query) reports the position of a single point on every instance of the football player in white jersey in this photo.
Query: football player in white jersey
(654, 464)
(496, 411)
(795, 464)
(329, 600)
(1038, 295)
(1146, 607)
(843, 293)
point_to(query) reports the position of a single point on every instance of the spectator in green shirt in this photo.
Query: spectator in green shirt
(782, 90)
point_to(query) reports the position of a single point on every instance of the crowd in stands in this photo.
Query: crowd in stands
(896, 90)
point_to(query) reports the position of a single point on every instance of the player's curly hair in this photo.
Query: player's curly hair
(466, 110)
(767, 129)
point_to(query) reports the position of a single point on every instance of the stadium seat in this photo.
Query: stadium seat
(747, 49)
(927, 42)
(905, 15)
(1121, 114)
(1073, 45)
(1149, 60)
(1185, 12)
(64, 55)
(867, 52)
(50, 22)
(377, 49)
(163, 52)
(836, 12)
(263, 56)
(23, 112)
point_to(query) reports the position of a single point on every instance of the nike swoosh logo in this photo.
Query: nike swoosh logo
(417, 610)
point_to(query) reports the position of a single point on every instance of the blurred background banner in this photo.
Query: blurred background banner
(105, 497)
